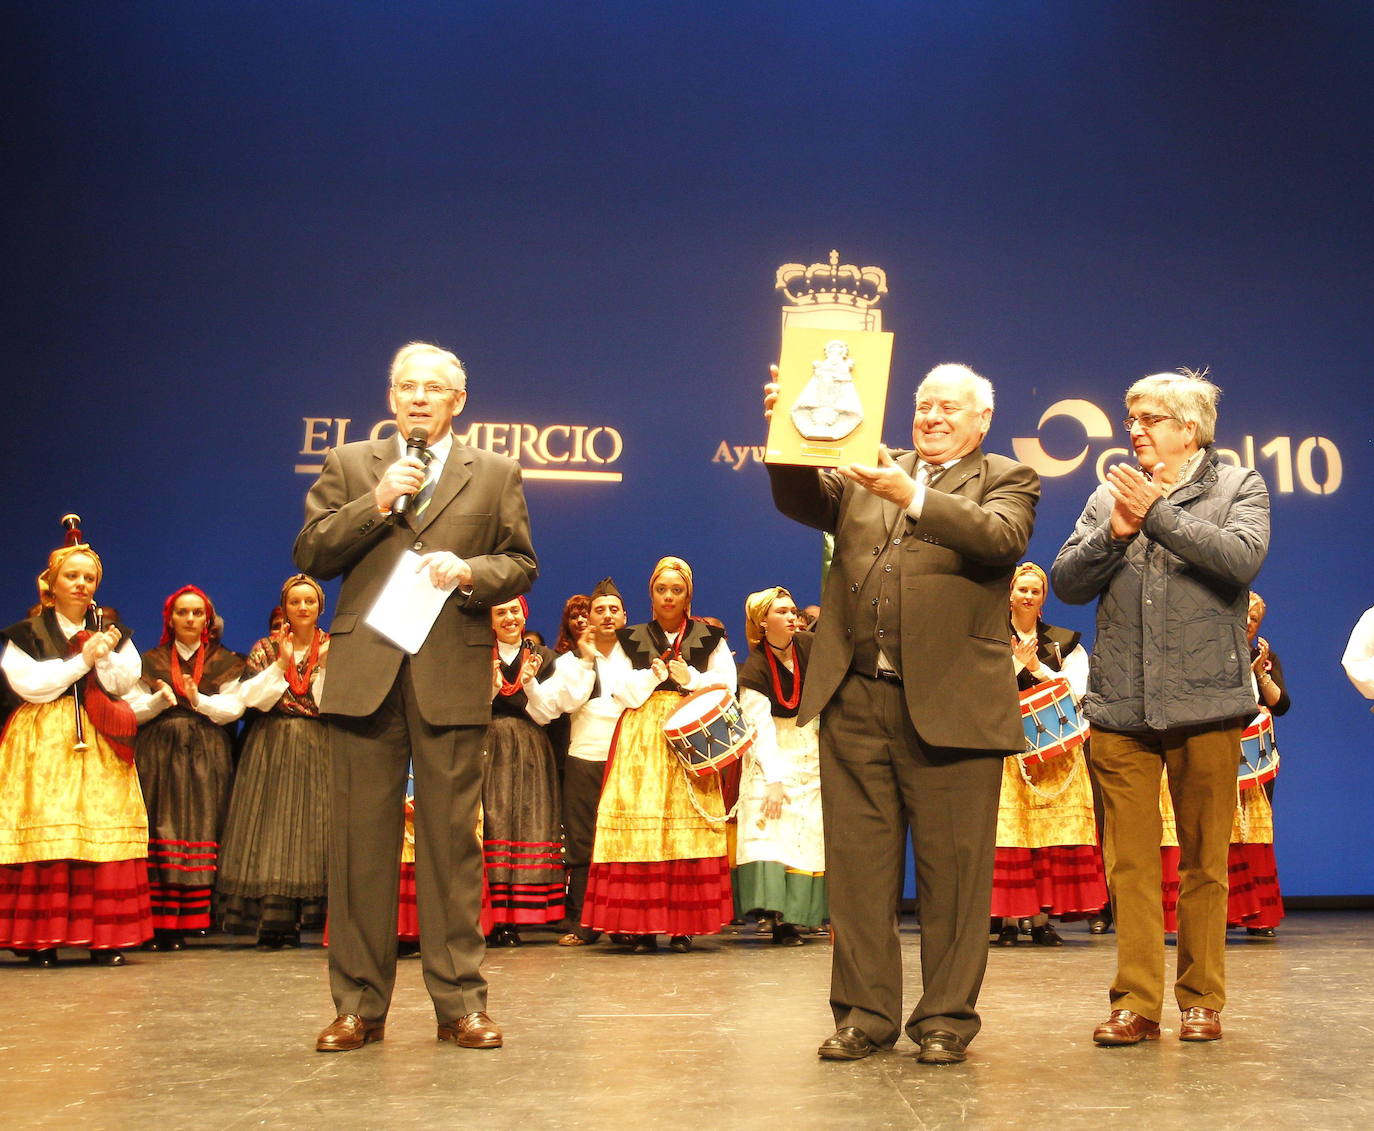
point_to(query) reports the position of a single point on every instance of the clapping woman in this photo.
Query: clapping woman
(780, 851)
(188, 696)
(272, 872)
(659, 863)
(1047, 861)
(521, 829)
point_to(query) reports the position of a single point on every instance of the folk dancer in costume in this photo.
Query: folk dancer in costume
(584, 682)
(1047, 860)
(73, 829)
(659, 863)
(913, 682)
(188, 697)
(1168, 549)
(521, 837)
(780, 850)
(272, 878)
(1271, 693)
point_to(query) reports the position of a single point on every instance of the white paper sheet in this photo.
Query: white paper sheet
(408, 604)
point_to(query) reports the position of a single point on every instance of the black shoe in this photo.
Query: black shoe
(644, 944)
(1046, 936)
(1101, 923)
(45, 959)
(1007, 936)
(786, 934)
(680, 943)
(847, 1043)
(940, 1046)
(407, 948)
(166, 940)
(1261, 932)
(107, 956)
(621, 939)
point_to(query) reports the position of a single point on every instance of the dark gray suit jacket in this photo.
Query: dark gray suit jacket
(478, 512)
(955, 570)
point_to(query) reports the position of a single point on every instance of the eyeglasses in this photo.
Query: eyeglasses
(1146, 420)
(433, 390)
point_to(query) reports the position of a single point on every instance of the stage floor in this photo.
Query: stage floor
(221, 1036)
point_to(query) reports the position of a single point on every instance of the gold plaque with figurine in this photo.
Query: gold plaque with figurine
(832, 392)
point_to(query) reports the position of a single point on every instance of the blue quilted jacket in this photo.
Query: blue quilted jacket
(1171, 602)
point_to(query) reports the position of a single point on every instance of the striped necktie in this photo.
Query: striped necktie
(426, 492)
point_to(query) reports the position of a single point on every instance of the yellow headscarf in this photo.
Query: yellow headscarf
(756, 607)
(678, 564)
(55, 560)
(1031, 567)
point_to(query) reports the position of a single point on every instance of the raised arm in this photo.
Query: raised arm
(341, 522)
(1088, 561)
(994, 531)
(1232, 551)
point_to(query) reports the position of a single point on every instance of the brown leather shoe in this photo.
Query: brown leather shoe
(942, 1047)
(1123, 1027)
(1200, 1024)
(473, 1031)
(347, 1032)
(846, 1043)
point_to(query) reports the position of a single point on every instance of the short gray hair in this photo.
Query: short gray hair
(981, 387)
(458, 376)
(1186, 395)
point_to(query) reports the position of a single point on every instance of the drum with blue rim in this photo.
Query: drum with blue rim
(708, 730)
(1051, 721)
(1259, 756)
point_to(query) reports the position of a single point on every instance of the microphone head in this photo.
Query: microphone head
(419, 437)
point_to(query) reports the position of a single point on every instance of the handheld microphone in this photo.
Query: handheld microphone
(415, 446)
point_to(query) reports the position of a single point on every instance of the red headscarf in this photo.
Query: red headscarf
(167, 634)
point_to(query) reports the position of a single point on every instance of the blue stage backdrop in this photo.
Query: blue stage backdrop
(224, 217)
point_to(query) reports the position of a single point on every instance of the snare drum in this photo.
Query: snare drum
(1259, 756)
(1051, 722)
(708, 730)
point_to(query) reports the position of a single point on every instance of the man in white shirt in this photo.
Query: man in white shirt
(585, 681)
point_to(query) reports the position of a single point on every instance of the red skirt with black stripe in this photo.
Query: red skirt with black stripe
(1254, 898)
(1066, 881)
(56, 903)
(667, 897)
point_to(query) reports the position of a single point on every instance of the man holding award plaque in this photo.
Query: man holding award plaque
(914, 684)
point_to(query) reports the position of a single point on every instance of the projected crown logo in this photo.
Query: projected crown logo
(834, 294)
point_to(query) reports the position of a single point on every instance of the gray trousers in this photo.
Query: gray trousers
(877, 780)
(368, 761)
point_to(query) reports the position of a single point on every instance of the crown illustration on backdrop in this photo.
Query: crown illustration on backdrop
(832, 284)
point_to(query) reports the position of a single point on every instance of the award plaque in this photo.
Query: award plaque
(832, 392)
